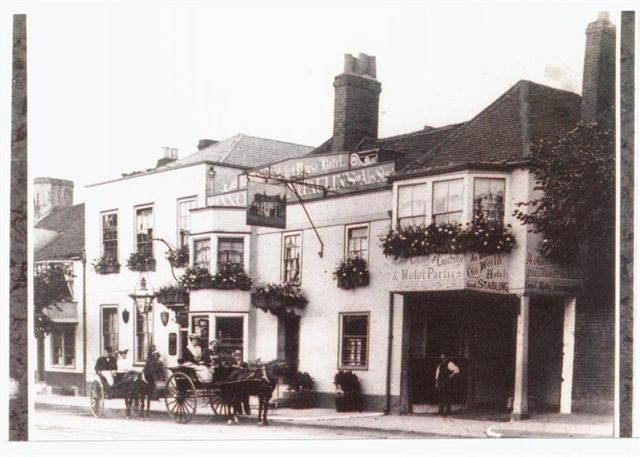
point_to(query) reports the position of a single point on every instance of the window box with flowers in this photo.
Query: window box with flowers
(106, 265)
(281, 300)
(481, 235)
(172, 295)
(141, 261)
(352, 272)
(229, 276)
(178, 258)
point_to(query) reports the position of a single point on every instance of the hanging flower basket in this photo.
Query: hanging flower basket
(481, 235)
(178, 258)
(141, 261)
(106, 265)
(282, 300)
(352, 273)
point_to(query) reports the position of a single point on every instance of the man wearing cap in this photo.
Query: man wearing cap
(211, 355)
(107, 365)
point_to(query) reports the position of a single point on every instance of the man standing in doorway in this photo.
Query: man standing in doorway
(444, 379)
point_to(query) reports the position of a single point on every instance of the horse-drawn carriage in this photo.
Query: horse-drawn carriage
(184, 392)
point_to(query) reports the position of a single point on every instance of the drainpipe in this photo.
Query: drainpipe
(389, 352)
(84, 322)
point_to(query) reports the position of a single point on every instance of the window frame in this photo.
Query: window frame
(137, 208)
(149, 332)
(194, 257)
(341, 316)
(413, 216)
(179, 201)
(60, 330)
(462, 200)
(504, 197)
(283, 269)
(102, 215)
(117, 333)
(350, 227)
(222, 238)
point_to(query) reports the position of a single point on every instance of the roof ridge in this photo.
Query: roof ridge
(423, 131)
(276, 141)
(469, 123)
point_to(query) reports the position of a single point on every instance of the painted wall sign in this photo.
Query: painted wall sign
(543, 275)
(311, 165)
(236, 199)
(437, 272)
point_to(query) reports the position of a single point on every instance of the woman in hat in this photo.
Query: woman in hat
(193, 358)
(124, 363)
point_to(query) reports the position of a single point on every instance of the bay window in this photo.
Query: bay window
(202, 253)
(230, 250)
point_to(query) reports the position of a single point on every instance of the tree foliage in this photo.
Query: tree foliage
(577, 208)
(49, 288)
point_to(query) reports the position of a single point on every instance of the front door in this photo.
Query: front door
(289, 341)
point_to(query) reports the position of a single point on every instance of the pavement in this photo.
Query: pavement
(460, 424)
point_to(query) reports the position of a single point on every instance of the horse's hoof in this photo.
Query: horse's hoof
(260, 423)
(230, 422)
(236, 420)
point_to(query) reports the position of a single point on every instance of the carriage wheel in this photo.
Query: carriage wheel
(218, 404)
(181, 398)
(97, 399)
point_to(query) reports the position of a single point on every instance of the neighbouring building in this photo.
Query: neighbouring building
(59, 239)
(511, 320)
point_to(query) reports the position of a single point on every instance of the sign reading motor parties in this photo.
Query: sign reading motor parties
(432, 272)
(544, 276)
(438, 272)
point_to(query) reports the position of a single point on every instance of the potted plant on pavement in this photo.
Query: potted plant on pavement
(301, 390)
(348, 391)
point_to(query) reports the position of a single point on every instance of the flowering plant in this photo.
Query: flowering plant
(196, 278)
(141, 261)
(352, 273)
(481, 235)
(278, 299)
(178, 258)
(172, 295)
(106, 265)
(231, 275)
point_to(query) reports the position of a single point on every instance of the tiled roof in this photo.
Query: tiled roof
(502, 132)
(244, 151)
(68, 221)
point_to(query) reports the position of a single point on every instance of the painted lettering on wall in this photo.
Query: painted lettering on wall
(235, 199)
(546, 276)
(488, 272)
(308, 166)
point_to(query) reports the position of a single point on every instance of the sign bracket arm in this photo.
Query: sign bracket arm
(295, 192)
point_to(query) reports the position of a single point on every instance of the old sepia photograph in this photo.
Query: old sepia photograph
(238, 222)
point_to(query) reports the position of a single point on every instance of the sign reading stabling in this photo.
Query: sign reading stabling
(266, 205)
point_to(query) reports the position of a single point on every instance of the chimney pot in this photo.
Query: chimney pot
(603, 16)
(362, 64)
(349, 63)
(204, 143)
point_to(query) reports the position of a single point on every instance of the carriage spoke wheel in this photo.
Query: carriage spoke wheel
(218, 403)
(181, 398)
(97, 399)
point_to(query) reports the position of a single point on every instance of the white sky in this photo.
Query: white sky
(110, 84)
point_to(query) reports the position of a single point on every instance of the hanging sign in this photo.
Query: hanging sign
(266, 204)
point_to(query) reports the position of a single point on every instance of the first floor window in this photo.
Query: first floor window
(63, 346)
(412, 204)
(109, 328)
(144, 335)
(488, 198)
(110, 235)
(447, 201)
(201, 253)
(144, 231)
(291, 258)
(230, 250)
(358, 242)
(354, 340)
(184, 220)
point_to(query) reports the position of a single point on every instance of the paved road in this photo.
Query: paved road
(54, 425)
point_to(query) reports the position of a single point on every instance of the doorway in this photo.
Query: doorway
(289, 341)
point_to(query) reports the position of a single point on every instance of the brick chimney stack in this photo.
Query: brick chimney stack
(599, 74)
(357, 97)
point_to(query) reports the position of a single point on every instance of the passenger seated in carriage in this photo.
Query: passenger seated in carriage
(124, 363)
(106, 366)
(193, 359)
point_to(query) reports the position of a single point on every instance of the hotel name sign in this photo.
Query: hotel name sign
(543, 276)
(441, 272)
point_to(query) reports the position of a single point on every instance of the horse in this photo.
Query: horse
(139, 386)
(259, 380)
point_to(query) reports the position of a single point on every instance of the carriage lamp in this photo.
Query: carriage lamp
(143, 297)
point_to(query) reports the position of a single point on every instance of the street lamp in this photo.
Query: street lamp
(143, 297)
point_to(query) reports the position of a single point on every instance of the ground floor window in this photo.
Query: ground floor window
(230, 334)
(63, 346)
(354, 340)
(144, 335)
(109, 328)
